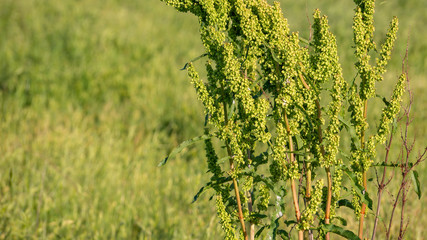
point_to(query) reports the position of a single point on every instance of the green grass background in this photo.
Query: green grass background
(91, 99)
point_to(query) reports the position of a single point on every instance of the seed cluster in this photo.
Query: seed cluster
(363, 147)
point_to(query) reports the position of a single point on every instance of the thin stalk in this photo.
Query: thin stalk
(308, 182)
(237, 193)
(392, 211)
(365, 185)
(293, 186)
(381, 186)
(329, 197)
(327, 169)
(236, 188)
(252, 225)
(250, 208)
(401, 230)
(308, 192)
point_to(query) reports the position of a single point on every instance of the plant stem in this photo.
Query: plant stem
(293, 186)
(365, 185)
(250, 209)
(392, 212)
(322, 149)
(329, 197)
(381, 186)
(232, 168)
(308, 192)
(401, 230)
(308, 182)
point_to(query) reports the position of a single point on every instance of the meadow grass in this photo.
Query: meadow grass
(91, 99)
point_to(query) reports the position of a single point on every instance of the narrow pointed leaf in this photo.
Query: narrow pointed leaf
(259, 232)
(202, 190)
(340, 231)
(351, 131)
(417, 186)
(283, 234)
(183, 145)
(342, 220)
(345, 203)
(360, 190)
(395, 165)
(193, 60)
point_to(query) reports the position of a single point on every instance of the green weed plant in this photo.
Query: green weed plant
(279, 105)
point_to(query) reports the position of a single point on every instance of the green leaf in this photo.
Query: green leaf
(395, 165)
(275, 57)
(222, 160)
(274, 226)
(342, 220)
(351, 131)
(259, 232)
(303, 40)
(195, 59)
(417, 185)
(258, 215)
(184, 145)
(202, 190)
(283, 234)
(345, 203)
(289, 222)
(340, 231)
(360, 190)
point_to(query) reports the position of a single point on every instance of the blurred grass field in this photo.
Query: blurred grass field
(92, 99)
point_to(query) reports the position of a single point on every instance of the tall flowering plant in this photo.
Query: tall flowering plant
(276, 102)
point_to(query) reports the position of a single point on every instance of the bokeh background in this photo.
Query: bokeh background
(92, 98)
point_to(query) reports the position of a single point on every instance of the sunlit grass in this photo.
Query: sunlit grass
(91, 99)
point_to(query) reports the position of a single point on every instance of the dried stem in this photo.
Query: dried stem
(382, 185)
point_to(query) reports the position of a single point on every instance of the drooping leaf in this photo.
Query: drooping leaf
(283, 234)
(202, 190)
(345, 203)
(193, 60)
(183, 145)
(360, 190)
(289, 222)
(273, 228)
(342, 220)
(258, 215)
(222, 160)
(351, 131)
(258, 233)
(417, 186)
(340, 231)
(303, 40)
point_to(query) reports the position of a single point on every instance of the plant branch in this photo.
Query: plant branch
(293, 186)
(381, 186)
(232, 168)
(365, 185)
(322, 149)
